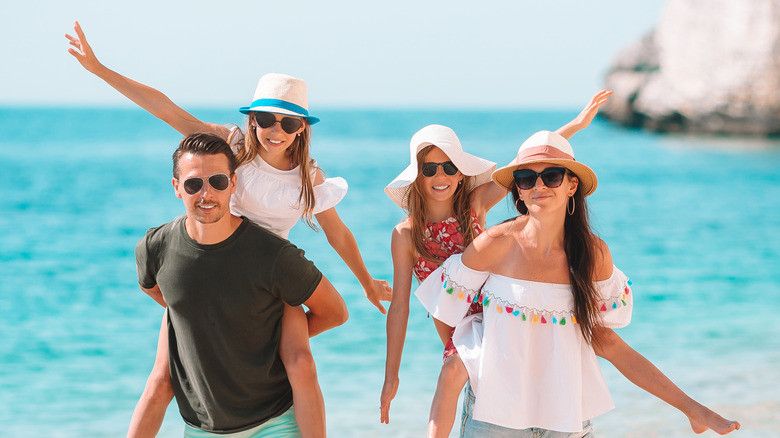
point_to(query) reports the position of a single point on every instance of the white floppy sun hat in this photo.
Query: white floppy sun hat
(547, 147)
(445, 139)
(281, 94)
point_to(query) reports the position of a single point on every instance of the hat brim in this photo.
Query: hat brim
(275, 110)
(587, 178)
(469, 165)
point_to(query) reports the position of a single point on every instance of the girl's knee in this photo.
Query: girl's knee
(454, 371)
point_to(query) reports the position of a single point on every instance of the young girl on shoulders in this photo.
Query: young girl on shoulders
(447, 194)
(278, 184)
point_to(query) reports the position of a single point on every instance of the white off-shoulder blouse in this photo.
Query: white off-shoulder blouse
(528, 363)
(269, 196)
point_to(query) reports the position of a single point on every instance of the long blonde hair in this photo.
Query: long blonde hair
(298, 152)
(417, 210)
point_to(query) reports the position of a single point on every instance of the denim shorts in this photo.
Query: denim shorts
(471, 428)
(283, 426)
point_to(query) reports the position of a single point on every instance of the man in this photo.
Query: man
(225, 280)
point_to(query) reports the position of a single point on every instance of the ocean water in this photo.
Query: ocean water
(694, 222)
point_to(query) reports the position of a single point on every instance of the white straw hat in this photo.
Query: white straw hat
(445, 139)
(547, 147)
(281, 94)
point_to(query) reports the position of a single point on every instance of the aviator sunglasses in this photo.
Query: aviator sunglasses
(552, 177)
(289, 125)
(218, 181)
(429, 169)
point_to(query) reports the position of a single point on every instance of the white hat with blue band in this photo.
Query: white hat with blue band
(281, 94)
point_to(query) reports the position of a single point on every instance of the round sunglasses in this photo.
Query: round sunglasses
(552, 177)
(218, 181)
(429, 169)
(290, 125)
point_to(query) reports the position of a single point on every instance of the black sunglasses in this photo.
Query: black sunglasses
(429, 169)
(290, 125)
(552, 177)
(218, 181)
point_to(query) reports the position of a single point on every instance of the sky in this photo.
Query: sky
(394, 54)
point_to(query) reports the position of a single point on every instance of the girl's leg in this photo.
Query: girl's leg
(445, 402)
(302, 373)
(158, 393)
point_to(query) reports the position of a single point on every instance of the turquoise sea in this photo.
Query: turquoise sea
(694, 222)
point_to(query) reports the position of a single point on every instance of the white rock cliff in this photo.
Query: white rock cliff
(711, 66)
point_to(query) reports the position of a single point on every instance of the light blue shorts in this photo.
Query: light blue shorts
(471, 428)
(283, 426)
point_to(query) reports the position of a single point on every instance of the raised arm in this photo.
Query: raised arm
(585, 116)
(153, 101)
(484, 197)
(398, 316)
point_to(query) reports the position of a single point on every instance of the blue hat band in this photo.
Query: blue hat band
(280, 104)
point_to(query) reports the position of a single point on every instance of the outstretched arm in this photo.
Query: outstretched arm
(585, 116)
(146, 97)
(343, 241)
(642, 373)
(484, 197)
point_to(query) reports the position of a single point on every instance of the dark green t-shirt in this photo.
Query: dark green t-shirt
(225, 304)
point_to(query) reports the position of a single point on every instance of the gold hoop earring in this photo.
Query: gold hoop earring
(573, 205)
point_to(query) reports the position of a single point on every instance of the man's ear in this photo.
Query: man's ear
(175, 183)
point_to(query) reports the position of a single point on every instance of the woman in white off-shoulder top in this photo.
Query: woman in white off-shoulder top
(551, 298)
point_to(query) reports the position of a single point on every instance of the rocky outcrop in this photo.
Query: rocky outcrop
(711, 66)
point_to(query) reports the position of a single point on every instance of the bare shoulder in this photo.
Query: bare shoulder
(319, 176)
(602, 260)
(401, 244)
(489, 247)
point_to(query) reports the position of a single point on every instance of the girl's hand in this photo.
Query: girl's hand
(378, 290)
(389, 390)
(82, 51)
(592, 108)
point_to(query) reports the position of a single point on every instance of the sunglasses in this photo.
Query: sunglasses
(552, 177)
(290, 125)
(429, 169)
(218, 181)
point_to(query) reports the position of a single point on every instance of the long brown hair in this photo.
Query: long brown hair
(417, 210)
(298, 152)
(579, 242)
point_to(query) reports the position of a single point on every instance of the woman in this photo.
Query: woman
(551, 297)
(278, 184)
(447, 194)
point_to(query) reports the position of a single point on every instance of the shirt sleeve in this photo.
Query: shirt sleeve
(448, 291)
(295, 277)
(329, 193)
(145, 268)
(616, 300)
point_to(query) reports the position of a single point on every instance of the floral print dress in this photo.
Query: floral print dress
(443, 239)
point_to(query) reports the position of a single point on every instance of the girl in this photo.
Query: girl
(278, 184)
(551, 297)
(447, 194)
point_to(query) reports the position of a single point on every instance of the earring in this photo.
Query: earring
(573, 205)
(460, 182)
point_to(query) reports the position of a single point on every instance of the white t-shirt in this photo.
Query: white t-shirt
(528, 363)
(269, 196)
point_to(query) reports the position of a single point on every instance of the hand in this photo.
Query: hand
(590, 110)
(389, 390)
(378, 290)
(82, 51)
